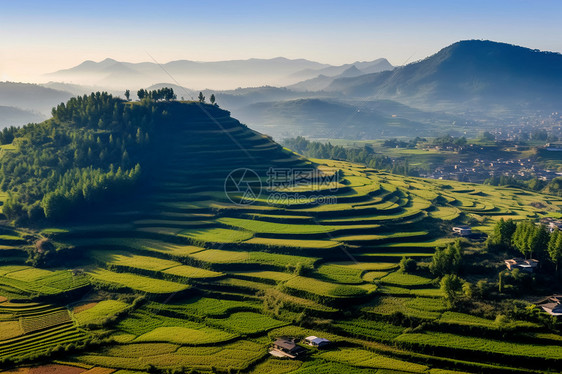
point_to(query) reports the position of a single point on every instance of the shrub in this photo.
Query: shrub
(408, 265)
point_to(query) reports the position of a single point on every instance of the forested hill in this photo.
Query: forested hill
(99, 148)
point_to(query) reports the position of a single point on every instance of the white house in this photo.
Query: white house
(315, 341)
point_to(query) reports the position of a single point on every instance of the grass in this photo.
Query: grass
(10, 329)
(425, 308)
(186, 335)
(247, 323)
(131, 260)
(483, 344)
(363, 358)
(100, 312)
(219, 256)
(470, 320)
(271, 227)
(376, 330)
(44, 320)
(206, 306)
(235, 356)
(137, 282)
(275, 276)
(322, 288)
(294, 243)
(148, 245)
(340, 274)
(187, 271)
(405, 280)
(217, 235)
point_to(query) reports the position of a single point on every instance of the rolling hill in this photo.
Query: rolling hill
(328, 118)
(32, 97)
(471, 74)
(225, 241)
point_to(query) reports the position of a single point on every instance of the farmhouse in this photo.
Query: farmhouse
(522, 264)
(286, 348)
(552, 305)
(315, 341)
(462, 230)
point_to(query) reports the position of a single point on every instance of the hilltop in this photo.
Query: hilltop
(468, 74)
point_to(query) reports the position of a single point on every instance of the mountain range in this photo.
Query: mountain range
(198, 75)
(470, 81)
(467, 74)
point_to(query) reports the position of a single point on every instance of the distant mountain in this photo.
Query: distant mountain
(326, 118)
(366, 67)
(322, 81)
(468, 74)
(217, 75)
(318, 80)
(79, 90)
(11, 116)
(31, 97)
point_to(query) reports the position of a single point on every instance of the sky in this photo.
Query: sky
(38, 37)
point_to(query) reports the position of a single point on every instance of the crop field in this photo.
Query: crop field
(485, 345)
(217, 235)
(28, 329)
(99, 312)
(405, 280)
(23, 281)
(137, 282)
(206, 307)
(364, 358)
(317, 287)
(189, 279)
(425, 308)
(246, 323)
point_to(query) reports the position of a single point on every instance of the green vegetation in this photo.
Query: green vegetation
(100, 312)
(174, 275)
(136, 282)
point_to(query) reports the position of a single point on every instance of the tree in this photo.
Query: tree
(201, 97)
(538, 240)
(408, 265)
(528, 238)
(127, 94)
(503, 233)
(448, 260)
(212, 99)
(451, 285)
(141, 94)
(555, 248)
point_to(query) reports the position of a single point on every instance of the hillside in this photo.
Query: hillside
(328, 118)
(11, 116)
(230, 241)
(468, 74)
(31, 97)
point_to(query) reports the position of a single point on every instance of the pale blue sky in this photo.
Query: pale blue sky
(38, 37)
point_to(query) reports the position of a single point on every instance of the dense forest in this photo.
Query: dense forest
(91, 150)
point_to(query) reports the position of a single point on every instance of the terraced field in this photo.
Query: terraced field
(221, 274)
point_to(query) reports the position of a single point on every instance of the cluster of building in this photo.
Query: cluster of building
(478, 170)
(288, 347)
